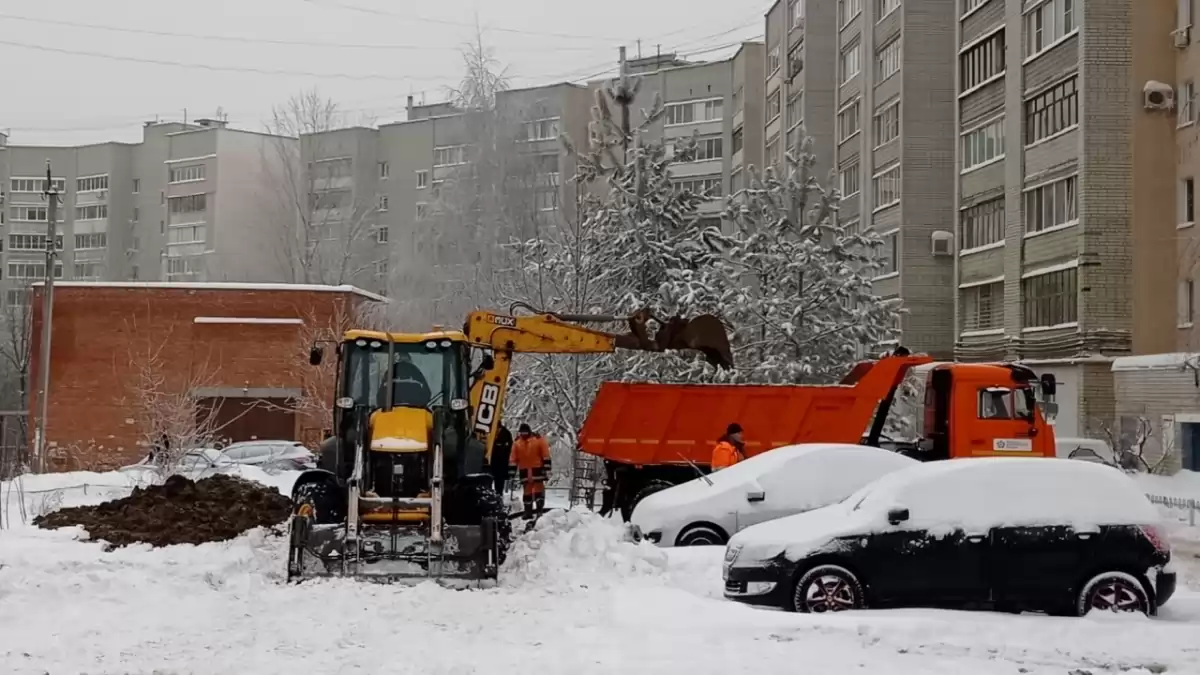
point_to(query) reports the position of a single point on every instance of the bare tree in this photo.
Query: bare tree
(15, 346)
(327, 222)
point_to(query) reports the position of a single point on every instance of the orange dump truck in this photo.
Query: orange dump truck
(653, 436)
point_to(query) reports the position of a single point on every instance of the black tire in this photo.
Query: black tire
(701, 535)
(1113, 592)
(648, 489)
(325, 498)
(827, 588)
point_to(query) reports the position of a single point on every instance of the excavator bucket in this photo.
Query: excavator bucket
(704, 333)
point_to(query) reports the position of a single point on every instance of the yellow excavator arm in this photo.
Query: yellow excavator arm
(549, 333)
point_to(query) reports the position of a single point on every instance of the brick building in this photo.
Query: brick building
(124, 356)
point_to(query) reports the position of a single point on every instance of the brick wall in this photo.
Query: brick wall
(103, 337)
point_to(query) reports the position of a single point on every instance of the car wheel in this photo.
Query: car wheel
(701, 535)
(1113, 592)
(827, 588)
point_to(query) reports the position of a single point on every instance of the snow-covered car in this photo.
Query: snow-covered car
(272, 455)
(782, 482)
(193, 462)
(1013, 534)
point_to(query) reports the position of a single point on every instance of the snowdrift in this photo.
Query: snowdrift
(579, 548)
(180, 511)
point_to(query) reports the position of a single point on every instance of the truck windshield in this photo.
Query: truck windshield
(417, 371)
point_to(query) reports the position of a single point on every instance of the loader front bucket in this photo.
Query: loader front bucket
(704, 333)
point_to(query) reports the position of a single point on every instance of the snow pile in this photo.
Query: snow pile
(578, 548)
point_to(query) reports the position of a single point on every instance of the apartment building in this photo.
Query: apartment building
(185, 204)
(1066, 188)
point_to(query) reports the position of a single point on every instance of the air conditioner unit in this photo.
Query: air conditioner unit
(942, 243)
(1158, 96)
(1183, 36)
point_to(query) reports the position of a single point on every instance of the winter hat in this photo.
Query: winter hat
(524, 429)
(732, 429)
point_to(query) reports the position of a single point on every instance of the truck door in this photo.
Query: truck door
(992, 421)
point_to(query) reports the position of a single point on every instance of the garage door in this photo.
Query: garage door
(250, 419)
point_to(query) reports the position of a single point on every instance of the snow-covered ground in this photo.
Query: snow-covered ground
(575, 598)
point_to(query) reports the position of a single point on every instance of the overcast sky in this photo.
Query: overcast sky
(109, 65)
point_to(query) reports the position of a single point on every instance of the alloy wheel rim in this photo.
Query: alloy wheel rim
(829, 593)
(1115, 595)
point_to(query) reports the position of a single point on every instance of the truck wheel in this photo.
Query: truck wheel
(647, 490)
(701, 535)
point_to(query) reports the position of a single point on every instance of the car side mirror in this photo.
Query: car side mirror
(316, 355)
(755, 496)
(897, 516)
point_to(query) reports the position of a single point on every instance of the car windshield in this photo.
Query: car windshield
(418, 371)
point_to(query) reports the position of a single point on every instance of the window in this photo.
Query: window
(450, 155)
(1186, 300)
(886, 185)
(1183, 14)
(18, 297)
(887, 60)
(381, 268)
(335, 167)
(795, 62)
(383, 202)
(546, 200)
(1049, 299)
(795, 110)
(972, 5)
(31, 242)
(1052, 111)
(982, 224)
(422, 179)
(983, 307)
(137, 214)
(739, 138)
(694, 111)
(708, 147)
(137, 185)
(1186, 102)
(773, 156)
(983, 144)
(797, 13)
(188, 203)
(1187, 201)
(385, 170)
(186, 174)
(1051, 205)
(709, 188)
(37, 185)
(737, 181)
(422, 211)
(847, 10)
(885, 7)
(91, 183)
(888, 255)
(981, 62)
(91, 241)
(1048, 23)
(772, 106)
(186, 234)
(887, 123)
(849, 61)
(848, 181)
(1002, 403)
(848, 120)
(541, 130)
(91, 212)
(773, 60)
(189, 266)
(381, 235)
(32, 270)
(33, 214)
(88, 270)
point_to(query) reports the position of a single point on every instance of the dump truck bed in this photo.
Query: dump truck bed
(655, 424)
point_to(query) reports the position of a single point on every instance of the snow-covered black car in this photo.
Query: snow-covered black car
(1013, 534)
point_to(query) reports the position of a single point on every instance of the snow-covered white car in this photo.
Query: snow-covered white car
(1054, 535)
(272, 455)
(782, 482)
(193, 463)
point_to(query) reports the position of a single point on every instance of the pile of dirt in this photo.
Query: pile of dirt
(180, 511)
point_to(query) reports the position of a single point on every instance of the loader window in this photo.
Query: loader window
(417, 371)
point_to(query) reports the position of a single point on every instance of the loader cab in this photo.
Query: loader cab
(982, 410)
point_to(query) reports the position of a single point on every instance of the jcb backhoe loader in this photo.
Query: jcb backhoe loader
(402, 491)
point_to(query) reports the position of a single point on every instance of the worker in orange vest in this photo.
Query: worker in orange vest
(531, 458)
(730, 449)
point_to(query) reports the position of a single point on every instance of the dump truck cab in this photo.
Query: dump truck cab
(956, 410)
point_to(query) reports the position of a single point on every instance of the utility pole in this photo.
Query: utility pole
(39, 436)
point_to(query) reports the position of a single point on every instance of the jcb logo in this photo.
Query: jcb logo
(506, 321)
(485, 416)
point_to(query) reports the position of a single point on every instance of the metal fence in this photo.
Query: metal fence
(1191, 505)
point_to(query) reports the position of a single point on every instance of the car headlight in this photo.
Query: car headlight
(731, 553)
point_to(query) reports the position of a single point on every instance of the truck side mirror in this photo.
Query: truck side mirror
(1049, 385)
(897, 516)
(316, 355)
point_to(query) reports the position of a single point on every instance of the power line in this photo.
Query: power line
(229, 69)
(253, 40)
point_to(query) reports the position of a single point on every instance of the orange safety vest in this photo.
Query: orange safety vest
(725, 455)
(529, 453)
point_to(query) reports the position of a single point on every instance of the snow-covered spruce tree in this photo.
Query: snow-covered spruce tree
(795, 284)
